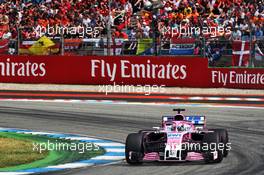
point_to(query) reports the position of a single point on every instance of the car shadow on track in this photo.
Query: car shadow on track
(163, 163)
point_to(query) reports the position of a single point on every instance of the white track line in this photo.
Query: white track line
(108, 144)
(14, 173)
(72, 165)
(115, 150)
(80, 138)
(108, 158)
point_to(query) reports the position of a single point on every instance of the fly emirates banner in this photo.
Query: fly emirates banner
(130, 70)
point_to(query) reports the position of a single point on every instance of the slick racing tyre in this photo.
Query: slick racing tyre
(223, 134)
(134, 149)
(212, 154)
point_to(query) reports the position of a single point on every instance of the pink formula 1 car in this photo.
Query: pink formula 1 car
(180, 138)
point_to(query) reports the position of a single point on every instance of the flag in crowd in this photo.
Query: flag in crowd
(43, 46)
(145, 47)
(259, 54)
(241, 53)
(182, 46)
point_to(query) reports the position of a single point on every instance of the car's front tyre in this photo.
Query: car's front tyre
(223, 134)
(212, 154)
(134, 149)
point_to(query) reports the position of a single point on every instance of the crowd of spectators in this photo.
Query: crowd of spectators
(132, 18)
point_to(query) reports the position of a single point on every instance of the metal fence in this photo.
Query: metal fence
(218, 51)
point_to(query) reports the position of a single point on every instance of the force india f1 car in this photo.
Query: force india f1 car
(180, 138)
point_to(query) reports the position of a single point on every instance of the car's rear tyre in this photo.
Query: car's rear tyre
(223, 134)
(134, 148)
(210, 142)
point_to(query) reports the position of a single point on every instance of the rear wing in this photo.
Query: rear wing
(198, 121)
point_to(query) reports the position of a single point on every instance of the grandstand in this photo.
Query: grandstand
(127, 27)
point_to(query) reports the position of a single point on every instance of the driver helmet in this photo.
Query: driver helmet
(182, 127)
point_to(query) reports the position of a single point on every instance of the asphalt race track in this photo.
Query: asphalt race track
(115, 121)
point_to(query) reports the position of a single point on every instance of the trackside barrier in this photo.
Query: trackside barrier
(126, 70)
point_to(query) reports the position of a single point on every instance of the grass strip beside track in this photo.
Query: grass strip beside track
(15, 152)
(47, 158)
